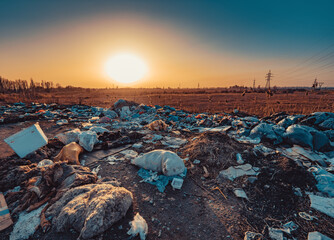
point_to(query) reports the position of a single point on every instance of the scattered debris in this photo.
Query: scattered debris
(161, 181)
(173, 142)
(138, 226)
(238, 171)
(293, 155)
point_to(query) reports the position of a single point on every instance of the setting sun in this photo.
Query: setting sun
(126, 68)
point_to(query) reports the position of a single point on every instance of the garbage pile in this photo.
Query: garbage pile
(275, 173)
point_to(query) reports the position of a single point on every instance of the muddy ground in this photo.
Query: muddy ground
(197, 211)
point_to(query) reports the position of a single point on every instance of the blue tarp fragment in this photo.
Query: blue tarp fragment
(161, 181)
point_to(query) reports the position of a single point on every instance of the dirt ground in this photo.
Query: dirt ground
(197, 211)
(193, 100)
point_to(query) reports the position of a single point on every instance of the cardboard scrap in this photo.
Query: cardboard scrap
(5, 219)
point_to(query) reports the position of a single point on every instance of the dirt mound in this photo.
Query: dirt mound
(215, 150)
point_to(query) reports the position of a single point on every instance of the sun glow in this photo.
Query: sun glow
(126, 68)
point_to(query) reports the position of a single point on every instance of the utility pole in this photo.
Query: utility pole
(317, 84)
(254, 84)
(198, 85)
(269, 75)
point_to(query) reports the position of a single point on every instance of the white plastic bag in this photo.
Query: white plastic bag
(87, 140)
(69, 136)
(164, 161)
(138, 226)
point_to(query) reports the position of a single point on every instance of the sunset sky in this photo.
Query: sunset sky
(214, 43)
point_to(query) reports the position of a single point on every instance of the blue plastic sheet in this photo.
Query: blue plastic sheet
(161, 181)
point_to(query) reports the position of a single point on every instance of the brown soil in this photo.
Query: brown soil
(193, 100)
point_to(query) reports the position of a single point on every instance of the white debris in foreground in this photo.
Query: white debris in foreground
(138, 226)
(27, 224)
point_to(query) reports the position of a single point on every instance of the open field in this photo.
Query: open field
(193, 100)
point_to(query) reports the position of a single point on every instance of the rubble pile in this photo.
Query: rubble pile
(229, 175)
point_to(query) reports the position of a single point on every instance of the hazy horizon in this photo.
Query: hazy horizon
(183, 43)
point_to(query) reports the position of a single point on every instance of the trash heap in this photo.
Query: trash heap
(264, 178)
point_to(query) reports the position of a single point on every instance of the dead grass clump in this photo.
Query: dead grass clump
(215, 150)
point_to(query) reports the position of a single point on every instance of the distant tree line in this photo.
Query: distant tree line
(22, 86)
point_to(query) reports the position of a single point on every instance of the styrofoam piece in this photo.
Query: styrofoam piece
(177, 183)
(27, 140)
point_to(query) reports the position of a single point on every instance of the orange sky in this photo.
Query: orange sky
(75, 53)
